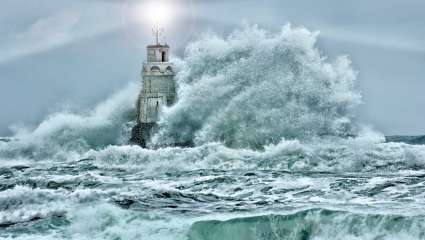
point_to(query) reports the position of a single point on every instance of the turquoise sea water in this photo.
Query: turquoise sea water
(277, 154)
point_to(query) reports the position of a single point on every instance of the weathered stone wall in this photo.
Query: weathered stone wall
(158, 90)
(158, 53)
(159, 84)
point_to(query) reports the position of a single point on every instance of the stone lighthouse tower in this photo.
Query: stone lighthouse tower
(158, 90)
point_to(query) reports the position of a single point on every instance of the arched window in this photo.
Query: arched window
(155, 69)
(169, 69)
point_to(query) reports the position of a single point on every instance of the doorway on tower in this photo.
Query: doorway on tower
(153, 107)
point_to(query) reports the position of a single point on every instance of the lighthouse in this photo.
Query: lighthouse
(158, 90)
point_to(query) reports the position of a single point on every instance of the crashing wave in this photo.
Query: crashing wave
(253, 100)
(266, 112)
(67, 135)
(312, 224)
(329, 155)
(255, 88)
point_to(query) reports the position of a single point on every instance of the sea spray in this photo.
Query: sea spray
(253, 100)
(335, 155)
(254, 88)
(66, 135)
(277, 156)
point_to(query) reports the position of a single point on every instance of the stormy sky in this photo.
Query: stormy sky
(57, 54)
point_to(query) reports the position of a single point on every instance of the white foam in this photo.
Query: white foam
(66, 135)
(255, 87)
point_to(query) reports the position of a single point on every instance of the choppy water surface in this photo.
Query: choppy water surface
(277, 155)
(110, 197)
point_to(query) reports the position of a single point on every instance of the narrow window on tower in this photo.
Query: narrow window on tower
(163, 56)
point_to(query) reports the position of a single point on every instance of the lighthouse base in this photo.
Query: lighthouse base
(141, 133)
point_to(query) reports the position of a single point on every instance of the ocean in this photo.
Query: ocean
(278, 154)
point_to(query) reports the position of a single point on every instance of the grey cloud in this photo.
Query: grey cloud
(44, 34)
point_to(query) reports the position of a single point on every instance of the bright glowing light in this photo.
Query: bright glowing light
(140, 19)
(158, 12)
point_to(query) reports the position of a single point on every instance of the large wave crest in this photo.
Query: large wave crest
(67, 135)
(254, 88)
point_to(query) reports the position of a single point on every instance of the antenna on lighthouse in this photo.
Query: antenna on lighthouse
(157, 32)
